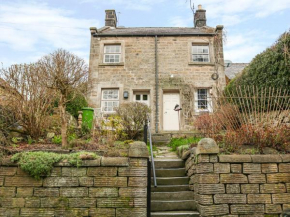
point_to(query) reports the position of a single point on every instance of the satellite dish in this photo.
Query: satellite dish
(227, 63)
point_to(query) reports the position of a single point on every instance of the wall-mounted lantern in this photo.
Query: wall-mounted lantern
(126, 94)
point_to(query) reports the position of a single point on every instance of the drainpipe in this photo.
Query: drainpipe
(156, 86)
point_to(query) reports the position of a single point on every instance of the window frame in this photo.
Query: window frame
(202, 54)
(208, 100)
(103, 101)
(112, 53)
(147, 102)
(105, 42)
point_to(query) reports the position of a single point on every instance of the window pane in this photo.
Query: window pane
(200, 58)
(138, 97)
(202, 99)
(112, 49)
(205, 49)
(117, 58)
(145, 97)
(194, 49)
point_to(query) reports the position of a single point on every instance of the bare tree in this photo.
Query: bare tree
(26, 98)
(65, 73)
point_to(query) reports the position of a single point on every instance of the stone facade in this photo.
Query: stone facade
(239, 185)
(106, 187)
(141, 57)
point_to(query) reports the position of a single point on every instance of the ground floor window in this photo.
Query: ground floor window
(142, 97)
(110, 100)
(202, 100)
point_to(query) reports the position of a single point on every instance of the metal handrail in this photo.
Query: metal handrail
(151, 151)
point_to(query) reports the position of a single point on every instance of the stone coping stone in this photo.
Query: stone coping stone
(115, 161)
(266, 158)
(235, 159)
(138, 149)
(101, 161)
(207, 146)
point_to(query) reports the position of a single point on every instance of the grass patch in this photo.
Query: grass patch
(153, 147)
(176, 142)
(40, 163)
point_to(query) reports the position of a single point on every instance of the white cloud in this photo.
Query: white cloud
(141, 5)
(242, 47)
(34, 27)
(179, 21)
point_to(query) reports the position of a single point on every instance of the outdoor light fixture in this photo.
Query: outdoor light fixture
(126, 94)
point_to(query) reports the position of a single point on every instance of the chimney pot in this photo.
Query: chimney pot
(111, 18)
(200, 17)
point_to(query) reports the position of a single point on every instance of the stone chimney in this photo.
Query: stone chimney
(200, 17)
(111, 18)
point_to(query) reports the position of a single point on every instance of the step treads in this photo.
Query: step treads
(171, 180)
(169, 188)
(169, 172)
(168, 163)
(174, 205)
(179, 195)
(175, 214)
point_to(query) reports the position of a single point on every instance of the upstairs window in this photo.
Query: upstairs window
(110, 100)
(200, 53)
(112, 53)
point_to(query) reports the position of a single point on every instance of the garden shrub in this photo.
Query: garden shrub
(39, 164)
(75, 104)
(133, 116)
(258, 136)
(56, 139)
(176, 142)
(270, 68)
(112, 129)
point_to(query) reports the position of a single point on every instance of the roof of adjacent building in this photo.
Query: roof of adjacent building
(131, 31)
(234, 69)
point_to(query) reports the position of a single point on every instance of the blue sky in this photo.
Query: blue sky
(33, 28)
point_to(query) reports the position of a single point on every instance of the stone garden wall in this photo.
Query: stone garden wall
(238, 185)
(106, 187)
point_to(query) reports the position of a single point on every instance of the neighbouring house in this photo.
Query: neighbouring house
(159, 66)
(233, 69)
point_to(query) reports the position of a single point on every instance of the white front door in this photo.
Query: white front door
(170, 117)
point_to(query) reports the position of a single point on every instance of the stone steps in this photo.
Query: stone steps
(170, 188)
(171, 180)
(172, 196)
(175, 214)
(171, 172)
(173, 205)
(179, 195)
(168, 163)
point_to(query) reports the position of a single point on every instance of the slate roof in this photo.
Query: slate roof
(234, 69)
(155, 31)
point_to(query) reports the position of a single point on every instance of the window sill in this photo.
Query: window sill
(199, 112)
(201, 63)
(112, 64)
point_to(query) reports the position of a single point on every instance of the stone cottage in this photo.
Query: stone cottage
(160, 66)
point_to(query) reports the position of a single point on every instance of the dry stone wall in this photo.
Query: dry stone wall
(106, 187)
(239, 185)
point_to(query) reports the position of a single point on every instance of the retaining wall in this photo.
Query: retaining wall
(106, 187)
(238, 185)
